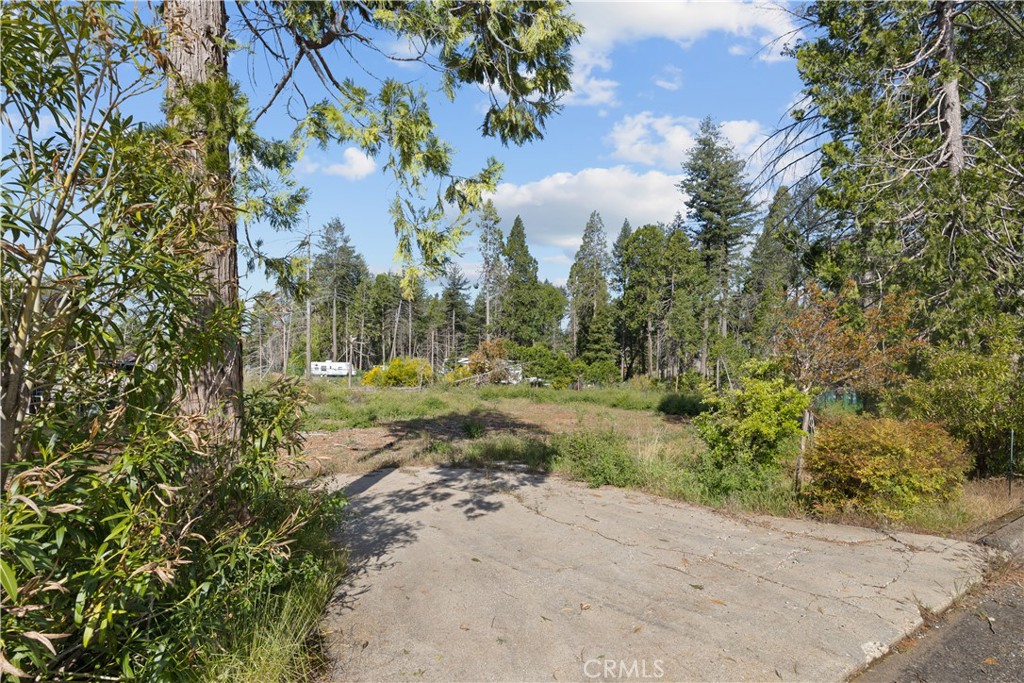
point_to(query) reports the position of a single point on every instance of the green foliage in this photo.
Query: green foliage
(142, 531)
(518, 51)
(134, 544)
(274, 648)
(588, 288)
(521, 321)
(540, 361)
(884, 466)
(689, 405)
(400, 372)
(599, 458)
(473, 429)
(929, 198)
(749, 432)
(975, 393)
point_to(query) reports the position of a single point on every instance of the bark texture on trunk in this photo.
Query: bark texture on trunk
(952, 108)
(196, 33)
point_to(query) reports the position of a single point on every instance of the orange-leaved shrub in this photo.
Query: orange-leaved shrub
(884, 466)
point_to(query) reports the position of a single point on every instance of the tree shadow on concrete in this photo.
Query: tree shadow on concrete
(450, 428)
(378, 524)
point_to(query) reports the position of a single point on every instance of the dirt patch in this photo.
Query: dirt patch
(415, 441)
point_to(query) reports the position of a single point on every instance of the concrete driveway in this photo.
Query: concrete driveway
(474, 575)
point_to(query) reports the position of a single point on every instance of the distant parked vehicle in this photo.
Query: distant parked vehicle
(329, 368)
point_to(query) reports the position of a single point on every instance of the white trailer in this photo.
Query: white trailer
(329, 368)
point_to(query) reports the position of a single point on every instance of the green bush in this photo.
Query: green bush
(599, 458)
(153, 556)
(749, 432)
(974, 393)
(688, 405)
(400, 372)
(884, 466)
(600, 372)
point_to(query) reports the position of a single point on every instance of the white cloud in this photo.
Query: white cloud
(587, 90)
(670, 78)
(355, 165)
(555, 209)
(744, 135)
(652, 140)
(615, 23)
(663, 141)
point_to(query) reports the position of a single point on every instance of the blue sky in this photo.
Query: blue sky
(646, 73)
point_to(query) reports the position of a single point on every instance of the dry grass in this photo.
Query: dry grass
(986, 499)
(965, 517)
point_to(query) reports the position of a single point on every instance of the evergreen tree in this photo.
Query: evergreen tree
(618, 254)
(337, 270)
(551, 304)
(644, 288)
(924, 105)
(773, 271)
(721, 215)
(687, 287)
(492, 279)
(455, 308)
(520, 302)
(588, 280)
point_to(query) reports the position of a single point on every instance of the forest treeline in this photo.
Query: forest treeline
(698, 293)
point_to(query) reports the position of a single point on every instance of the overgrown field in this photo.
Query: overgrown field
(620, 436)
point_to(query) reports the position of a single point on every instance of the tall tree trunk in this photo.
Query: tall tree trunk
(362, 338)
(487, 312)
(650, 350)
(410, 349)
(805, 443)
(952, 109)
(704, 345)
(394, 335)
(334, 326)
(196, 36)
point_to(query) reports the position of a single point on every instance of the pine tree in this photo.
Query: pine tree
(687, 292)
(618, 254)
(492, 279)
(773, 272)
(456, 312)
(721, 215)
(923, 106)
(588, 280)
(520, 302)
(644, 288)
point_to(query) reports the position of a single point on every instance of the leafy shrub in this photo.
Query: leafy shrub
(460, 373)
(601, 372)
(156, 528)
(689, 405)
(884, 466)
(599, 458)
(400, 372)
(974, 393)
(749, 433)
(538, 360)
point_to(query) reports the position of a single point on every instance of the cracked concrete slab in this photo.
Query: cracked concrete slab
(482, 575)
